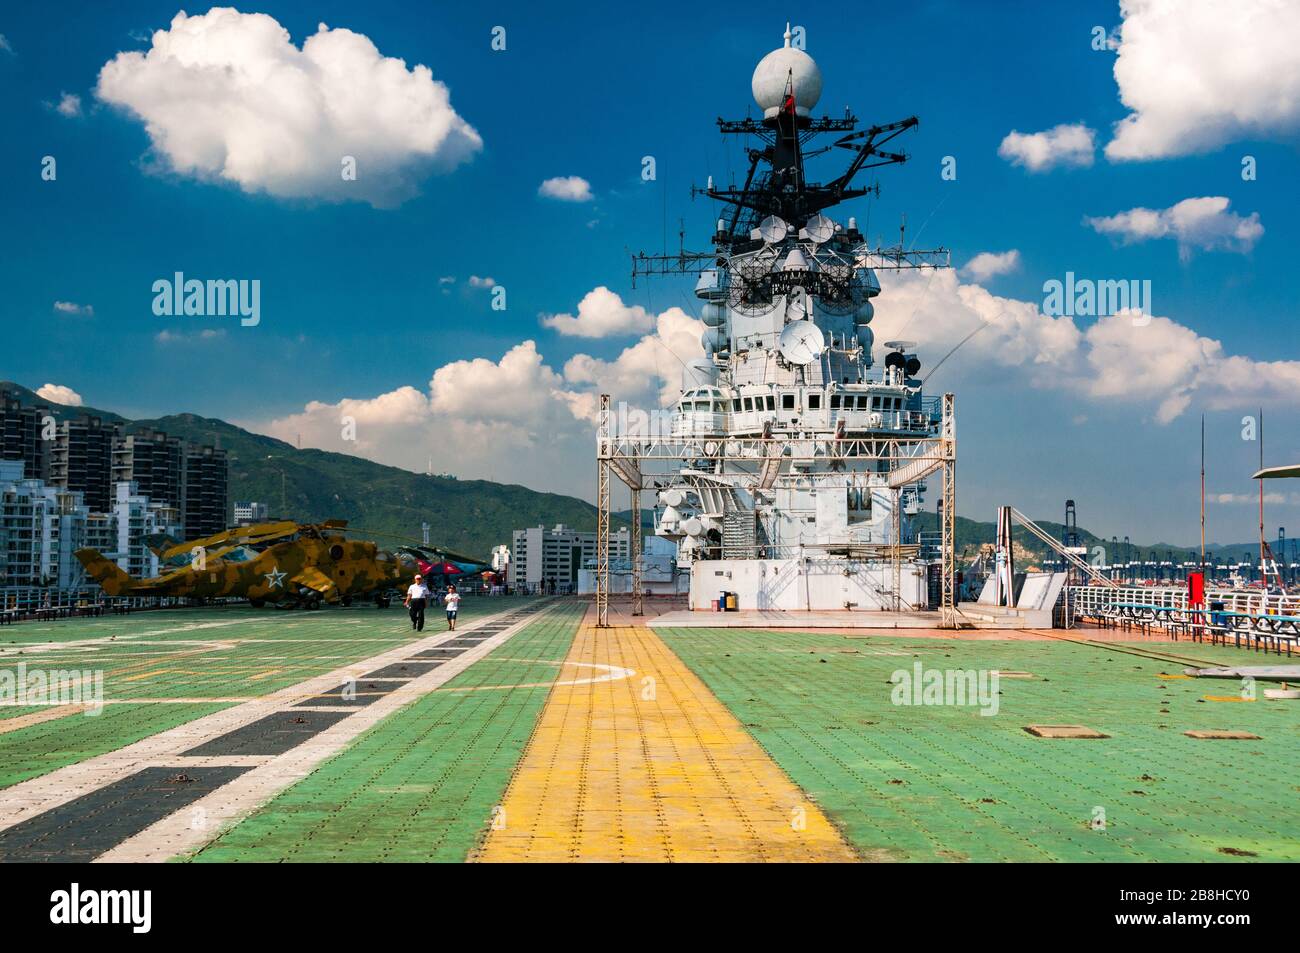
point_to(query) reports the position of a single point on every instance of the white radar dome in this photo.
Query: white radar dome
(783, 66)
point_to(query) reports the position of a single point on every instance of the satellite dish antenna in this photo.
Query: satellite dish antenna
(819, 229)
(801, 343)
(796, 304)
(900, 345)
(773, 229)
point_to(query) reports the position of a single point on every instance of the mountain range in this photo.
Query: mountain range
(471, 516)
(467, 516)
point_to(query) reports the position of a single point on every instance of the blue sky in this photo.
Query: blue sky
(352, 307)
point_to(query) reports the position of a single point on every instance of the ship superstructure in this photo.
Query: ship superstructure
(799, 446)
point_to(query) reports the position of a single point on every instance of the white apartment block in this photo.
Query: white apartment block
(538, 554)
(251, 512)
(42, 526)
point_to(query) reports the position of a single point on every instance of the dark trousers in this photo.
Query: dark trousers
(417, 614)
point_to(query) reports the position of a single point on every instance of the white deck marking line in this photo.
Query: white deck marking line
(94, 645)
(613, 673)
(207, 818)
(196, 700)
(37, 795)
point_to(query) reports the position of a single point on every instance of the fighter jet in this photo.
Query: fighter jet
(318, 564)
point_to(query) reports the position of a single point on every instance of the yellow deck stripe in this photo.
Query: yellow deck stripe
(650, 770)
(36, 717)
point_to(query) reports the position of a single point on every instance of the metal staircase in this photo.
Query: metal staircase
(739, 534)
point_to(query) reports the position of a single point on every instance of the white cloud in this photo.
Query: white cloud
(989, 264)
(5, 47)
(71, 307)
(187, 337)
(476, 282)
(1237, 499)
(649, 372)
(58, 394)
(1070, 144)
(227, 96)
(508, 420)
(566, 188)
(520, 419)
(1199, 75)
(1159, 362)
(601, 313)
(1198, 223)
(69, 105)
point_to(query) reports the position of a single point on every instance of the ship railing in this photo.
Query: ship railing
(1250, 618)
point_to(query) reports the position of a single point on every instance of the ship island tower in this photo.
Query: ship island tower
(789, 469)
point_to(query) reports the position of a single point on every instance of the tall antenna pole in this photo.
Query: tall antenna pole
(1202, 492)
(1262, 543)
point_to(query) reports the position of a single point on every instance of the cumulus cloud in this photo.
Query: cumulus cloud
(517, 417)
(1196, 76)
(58, 394)
(989, 264)
(521, 418)
(69, 105)
(5, 46)
(1071, 144)
(1198, 223)
(601, 313)
(227, 97)
(1237, 499)
(71, 307)
(566, 188)
(188, 337)
(476, 282)
(649, 372)
(1125, 356)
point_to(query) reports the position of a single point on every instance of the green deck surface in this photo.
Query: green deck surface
(421, 785)
(40, 749)
(945, 783)
(163, 655)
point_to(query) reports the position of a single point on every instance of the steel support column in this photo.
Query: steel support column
(602, 516)
(638, 601)
(948, 532)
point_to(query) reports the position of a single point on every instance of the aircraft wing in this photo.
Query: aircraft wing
(313, 578)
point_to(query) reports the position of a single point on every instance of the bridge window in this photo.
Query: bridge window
(814, 401)
(787, 401)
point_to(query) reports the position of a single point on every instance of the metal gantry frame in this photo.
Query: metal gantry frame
(602, 519)
(910, 460)
(948, 531)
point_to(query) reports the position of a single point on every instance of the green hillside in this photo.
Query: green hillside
(467, 516)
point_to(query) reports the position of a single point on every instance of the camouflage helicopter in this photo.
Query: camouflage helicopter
(318, 564)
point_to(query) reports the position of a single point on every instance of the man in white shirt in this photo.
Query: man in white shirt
(452, 601)
(417, 597)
